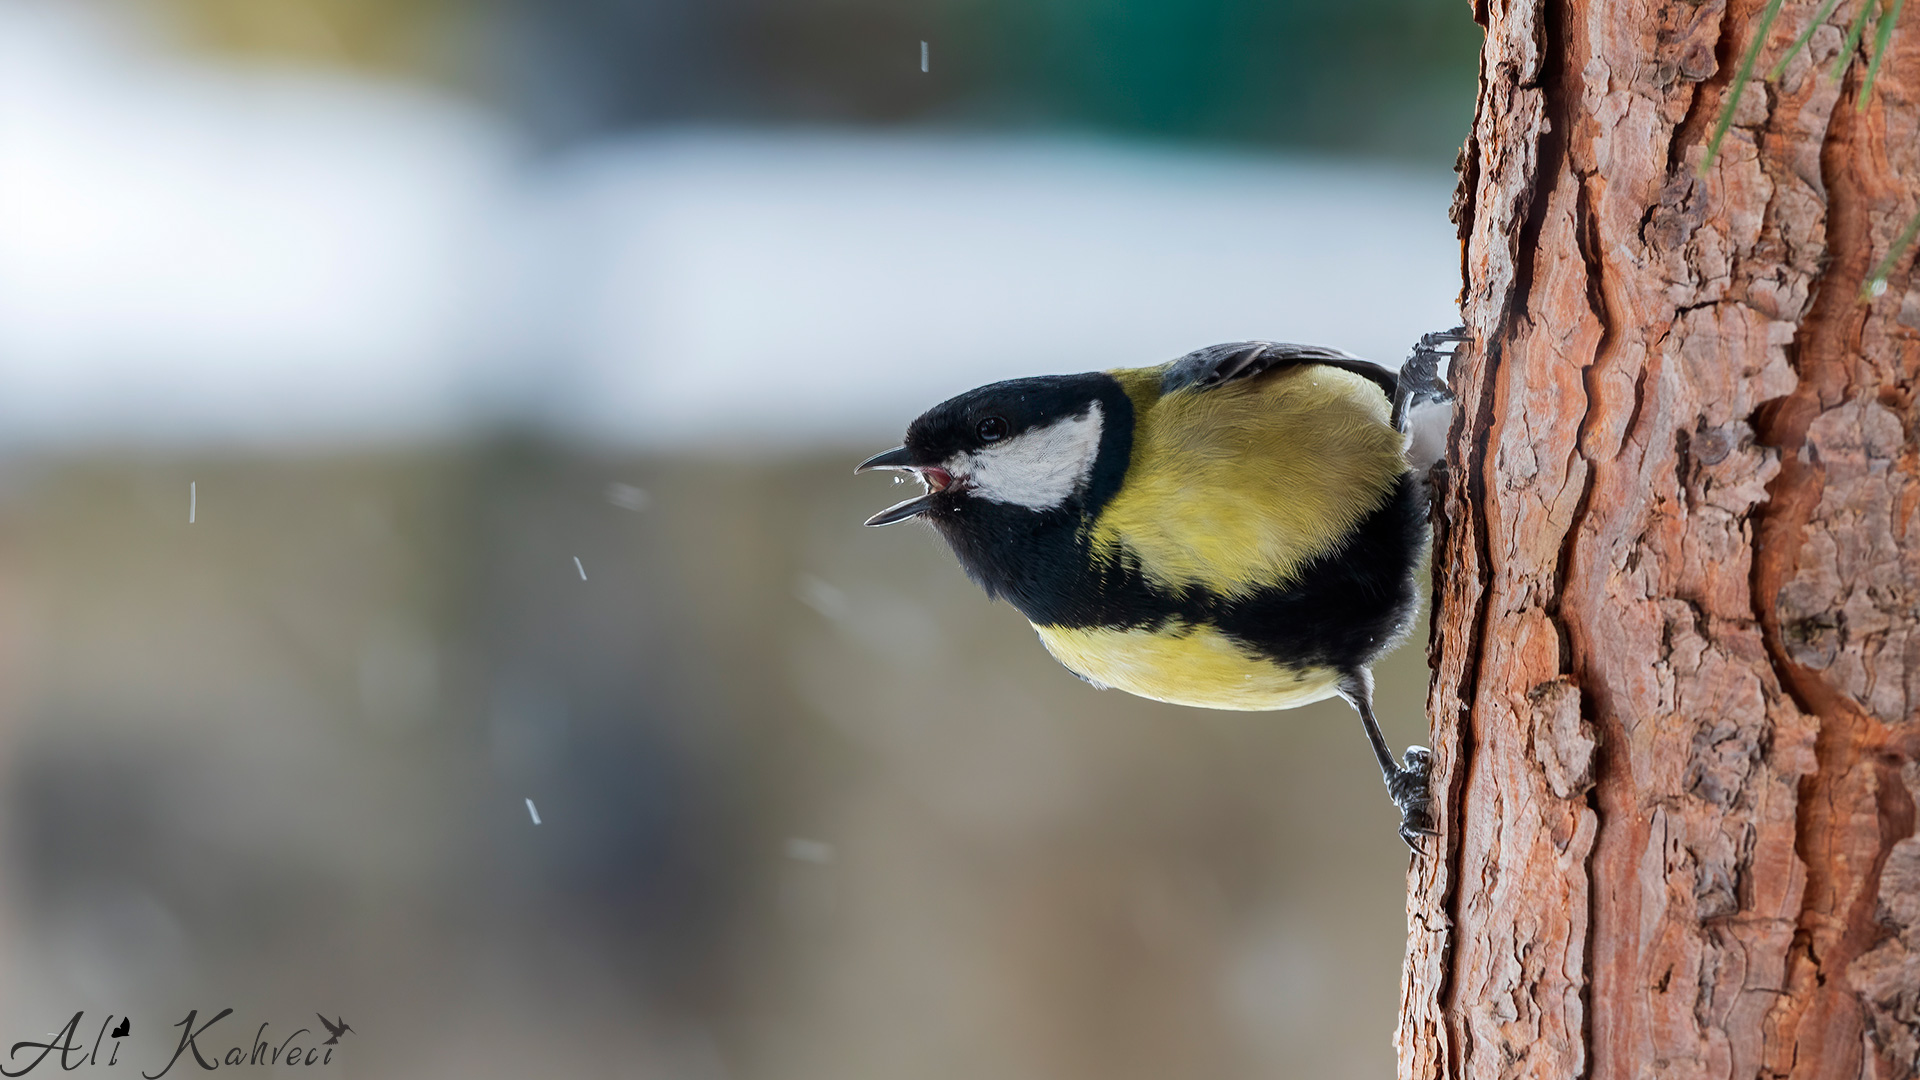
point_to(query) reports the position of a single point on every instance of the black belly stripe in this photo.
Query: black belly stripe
(1342, 610)
(1348, 607)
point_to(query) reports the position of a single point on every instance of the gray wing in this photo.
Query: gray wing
(1216, 365)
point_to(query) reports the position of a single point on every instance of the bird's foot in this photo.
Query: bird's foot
(1408, 788)
(1420, 375)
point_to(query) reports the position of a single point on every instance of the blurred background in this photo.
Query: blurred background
(416, 415)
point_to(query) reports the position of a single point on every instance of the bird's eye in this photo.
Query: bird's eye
(992, 429)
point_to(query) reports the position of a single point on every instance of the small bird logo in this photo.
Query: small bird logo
(334, 1028)
(125, 1028)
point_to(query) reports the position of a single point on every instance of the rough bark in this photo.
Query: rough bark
(1676, 704)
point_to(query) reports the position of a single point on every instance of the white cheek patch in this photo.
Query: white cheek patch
(1037, 469)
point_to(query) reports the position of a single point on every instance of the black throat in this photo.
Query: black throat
(1038, 560)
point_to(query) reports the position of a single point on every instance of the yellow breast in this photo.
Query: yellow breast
(1196, 666)
(1237, 487)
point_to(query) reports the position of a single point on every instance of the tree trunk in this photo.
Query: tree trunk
(1676, 707)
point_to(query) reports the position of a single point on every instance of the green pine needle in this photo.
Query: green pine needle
(1859, 26)
(1819, 19)
(1877, 281)
(1740, 83)
(1880, 40)
(1888, 15)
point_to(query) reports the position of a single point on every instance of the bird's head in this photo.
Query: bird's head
(1053, 447)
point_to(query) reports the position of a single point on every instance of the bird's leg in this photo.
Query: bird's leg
(1406, 784)
(1420, 376)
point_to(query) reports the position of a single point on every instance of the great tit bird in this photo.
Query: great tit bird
(1236, 529)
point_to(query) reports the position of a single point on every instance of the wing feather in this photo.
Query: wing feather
(1217, 365)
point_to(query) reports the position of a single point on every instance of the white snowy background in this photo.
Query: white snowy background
(197, 255)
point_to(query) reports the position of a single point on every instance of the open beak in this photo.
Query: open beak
(897, 458)
(900, 459)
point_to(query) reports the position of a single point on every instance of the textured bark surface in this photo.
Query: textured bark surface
(1677, 640)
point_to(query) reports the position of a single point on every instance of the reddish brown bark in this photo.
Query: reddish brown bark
(1676, 707)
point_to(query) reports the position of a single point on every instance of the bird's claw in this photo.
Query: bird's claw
(1409, 789)
(1421, 372)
